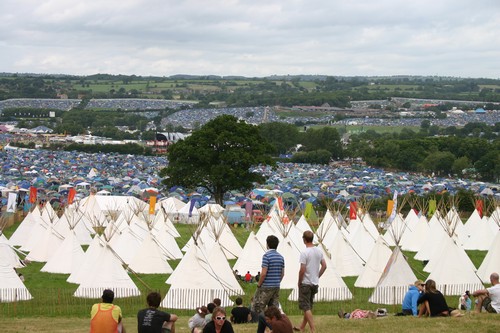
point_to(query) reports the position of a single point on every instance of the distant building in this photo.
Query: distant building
(170, 136)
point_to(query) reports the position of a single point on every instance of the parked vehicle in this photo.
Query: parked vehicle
(235, 216)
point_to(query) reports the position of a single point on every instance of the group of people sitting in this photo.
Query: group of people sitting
(204, 315)
(423, 299)
(248, 277)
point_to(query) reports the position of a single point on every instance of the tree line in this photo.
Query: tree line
(296, 90)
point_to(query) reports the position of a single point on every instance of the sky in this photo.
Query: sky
(253, 38)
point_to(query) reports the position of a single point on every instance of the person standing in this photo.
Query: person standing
(489, 298)
(105, 317)
(152, 320)
(312, 267)
(272, 272)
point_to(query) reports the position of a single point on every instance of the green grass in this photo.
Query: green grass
(483, 323)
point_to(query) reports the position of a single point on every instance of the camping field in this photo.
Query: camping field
(54, 309)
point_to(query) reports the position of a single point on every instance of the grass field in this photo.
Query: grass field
(482, 323)
(54, 309)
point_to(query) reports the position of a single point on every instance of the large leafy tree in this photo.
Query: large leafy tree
(327, 138)
(218, 157)
(281, 135)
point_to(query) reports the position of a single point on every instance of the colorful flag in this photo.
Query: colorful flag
(152, 204)
(191, 207)
(33, 194)
(280, 203)
(479, 207)
(248, 210)
(390, 205)
(432, 207)
(71, 195)
(12, 203)
(394, 208)
(353, 207)
(308, 210)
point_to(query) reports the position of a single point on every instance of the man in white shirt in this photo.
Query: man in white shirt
(312, 266)
(489, 298)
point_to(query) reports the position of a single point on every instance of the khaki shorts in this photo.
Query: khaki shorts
(306, 296)
(487, 305)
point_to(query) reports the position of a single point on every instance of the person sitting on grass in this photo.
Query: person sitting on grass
(464, 302)
(357, 314)
(489, 298)
(219, 324)
(240, 314)
(411, 298)
(106, 317)
(152, 320)
(434, 304)
(210, 309)
(278, 321)
(197, 322)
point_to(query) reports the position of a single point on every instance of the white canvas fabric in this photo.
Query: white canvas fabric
(393, 283)
(23, 231)
(105, 272)
(419, 234)
(186, 217)
(453, 271)
(149, 258)
(302, 224)
(491, 262)
(12, 289)
(430, 244)
(344, 258)
(250, 258)
(166, 241)
(199, 278)
(46, 245)
(67, 256)
(375, 265)
(477, 233)
(362, 241)
(327, 229)
(89, 258)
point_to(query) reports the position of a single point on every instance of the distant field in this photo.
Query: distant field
(378, 129)
(364, 128)
(287, 113)
(392, 87)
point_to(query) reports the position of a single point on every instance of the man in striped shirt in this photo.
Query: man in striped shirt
(273, 270)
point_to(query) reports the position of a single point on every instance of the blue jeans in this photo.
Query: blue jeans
(261, 326)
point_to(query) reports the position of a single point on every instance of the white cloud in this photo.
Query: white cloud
(252, 38)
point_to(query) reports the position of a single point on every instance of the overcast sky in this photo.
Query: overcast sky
(251, 37)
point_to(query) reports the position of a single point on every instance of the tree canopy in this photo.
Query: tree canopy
(218, 157)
